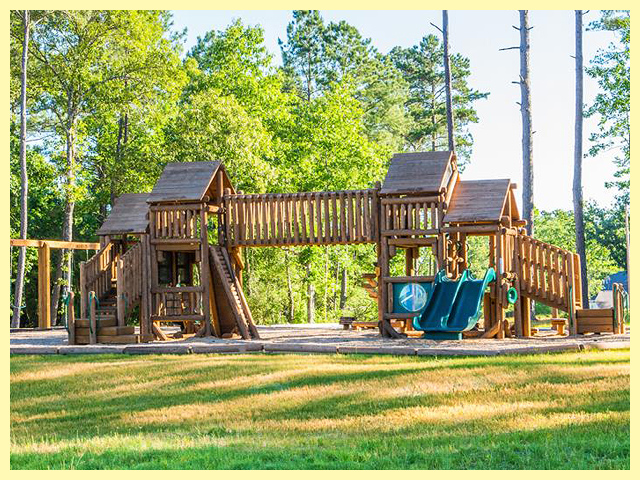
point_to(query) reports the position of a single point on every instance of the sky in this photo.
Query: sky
(478, 35)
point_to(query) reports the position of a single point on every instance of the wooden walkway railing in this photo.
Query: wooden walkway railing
(129, 281)
(97, 274)
(174, 221)
(548, 274)
(411, 216)
(313, 218)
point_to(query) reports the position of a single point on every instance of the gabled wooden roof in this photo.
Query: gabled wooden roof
(418, 172)
(128, 215)
(188, 182)
(481, 201)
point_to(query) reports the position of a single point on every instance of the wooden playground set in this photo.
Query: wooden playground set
(174, 256)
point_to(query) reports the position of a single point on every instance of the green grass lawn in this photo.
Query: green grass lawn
(560, 411)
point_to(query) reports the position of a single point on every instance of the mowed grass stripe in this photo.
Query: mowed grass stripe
(554, 411)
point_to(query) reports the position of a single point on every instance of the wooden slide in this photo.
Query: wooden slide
(233, 311)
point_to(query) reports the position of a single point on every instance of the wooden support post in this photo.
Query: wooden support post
(120, 294)
(44, 286)
(487, 311)
(83, 291)
(525, 309)
(93, 331)
(205, 271)
(72, 319)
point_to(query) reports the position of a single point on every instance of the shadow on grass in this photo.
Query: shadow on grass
(593, 445)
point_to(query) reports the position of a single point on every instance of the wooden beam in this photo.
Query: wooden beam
(19, 242)
(72, 319)
(44, 286)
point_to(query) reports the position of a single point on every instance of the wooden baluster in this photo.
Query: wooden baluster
(343, 217)
(358, 217)
(310, 205)
(334, 218)
(303, 218)
(366, 216)
(327, 218)
(274, 220)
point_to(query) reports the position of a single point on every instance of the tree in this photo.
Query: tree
(24, 179)
(447, 78)
(302, 53)
(317, 55)
(578, 210)
(527, 132)
(422, 68)
(211, 127)
(611, 68)
(83, 57)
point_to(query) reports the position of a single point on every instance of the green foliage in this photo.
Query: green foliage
(611, 67)
(422, 67)
(317, 55)
(224, 131)
(558, 228)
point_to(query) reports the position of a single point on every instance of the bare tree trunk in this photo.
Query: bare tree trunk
(525, 109)
(628, 242)
(343, 289)
(447, 78)
(67, 225)
(311, 299)
(291, 306)
(578, 212)
(434, 120)
(24, 178)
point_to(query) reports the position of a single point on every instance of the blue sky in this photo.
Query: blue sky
(497, 151)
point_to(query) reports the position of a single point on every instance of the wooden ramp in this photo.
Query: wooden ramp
(233, 311)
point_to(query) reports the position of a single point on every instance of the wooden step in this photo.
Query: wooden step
(594, 312)
(127, 330)
(84, 339)
(107, 322)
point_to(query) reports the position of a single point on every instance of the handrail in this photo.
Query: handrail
(128, 282)
(548, 274)
(98, 273)
(309, 218)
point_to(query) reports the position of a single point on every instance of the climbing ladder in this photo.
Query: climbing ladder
(229, 296)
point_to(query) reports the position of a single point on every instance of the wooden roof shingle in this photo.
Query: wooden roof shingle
(478, 201)
(128, 215)
(418, 172)
(186, 182)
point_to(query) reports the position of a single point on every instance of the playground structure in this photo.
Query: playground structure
(175, 254)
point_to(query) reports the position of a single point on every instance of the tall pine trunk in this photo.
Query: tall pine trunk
(311, 298)
(343, 289)
(447, 78)
(67, 225)
(24, 178)
(525, 109)
(578, 212)
(291, 305)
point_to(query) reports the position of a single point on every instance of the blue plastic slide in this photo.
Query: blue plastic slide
(443, 295)
(468, 304)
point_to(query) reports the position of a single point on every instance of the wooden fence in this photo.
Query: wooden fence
(548, 274)
(411, 216)
(174, 221)
(313, 218)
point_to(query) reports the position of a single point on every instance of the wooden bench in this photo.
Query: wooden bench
(347, 322)
(558, 324)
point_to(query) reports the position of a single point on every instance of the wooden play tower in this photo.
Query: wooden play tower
(174, 255)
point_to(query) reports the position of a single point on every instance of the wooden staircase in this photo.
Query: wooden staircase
(233, 311)
(108, 330)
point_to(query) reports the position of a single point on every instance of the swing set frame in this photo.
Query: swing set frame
(44, 270)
